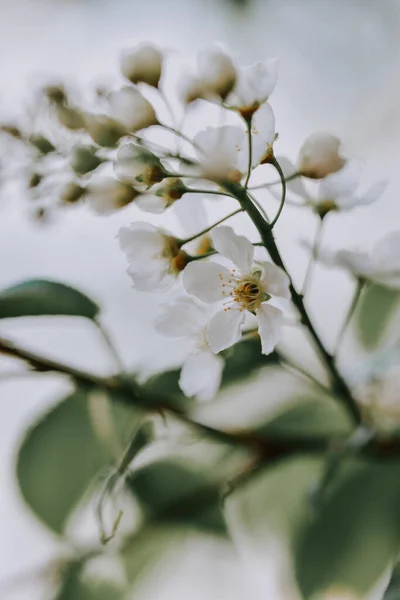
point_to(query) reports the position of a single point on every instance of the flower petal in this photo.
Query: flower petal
(201, 375)
(295, 185)
(319, 156)
(274, 280)
(140, 242)
(191, 213)
(370, 196)
(151, 203)
(225, 329)
(255, 83)
(236, 248)
(184, 318)
(263, 132)
(203, 280)
(270, 321)
(342, 183)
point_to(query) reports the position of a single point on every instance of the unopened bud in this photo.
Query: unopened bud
(84, 159)
(107, 195)
(103, 130)
(130, 108)
(216, 71)
(171, 190)
(142, 64)
(319, 156)
(138, 165)
(42, 144)
(71, 118)
(71, 193)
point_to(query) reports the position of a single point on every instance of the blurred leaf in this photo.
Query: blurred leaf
(356, 533)
(61, 454)
(377, 306)
(392, 591)
(241, 362)
(75, 587)
(170, 492)
(37, 297)
(320, 417)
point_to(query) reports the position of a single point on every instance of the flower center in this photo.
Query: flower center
(242, 292)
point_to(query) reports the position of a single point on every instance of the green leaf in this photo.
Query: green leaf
(170, 492)
(355, 534)
(38, 297)
(377, 306)
(76, 587)
(61, 455)
(321, 417)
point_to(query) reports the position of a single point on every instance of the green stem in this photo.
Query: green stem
(313, 258)
(111, 347)
(339, 384)
(250, 148)
(277, 166)
(263, 185)
(350, 313)
(212, 192)
(187, 240)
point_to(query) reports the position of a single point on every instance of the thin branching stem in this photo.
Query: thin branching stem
(207, 229)
(277, 166)
(250, 152)
(313, 258)
(358, 290)
(260, 186)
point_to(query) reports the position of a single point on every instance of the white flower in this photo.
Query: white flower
(142, 64)
(254, 85)
(154, 256)
(162, 196)
(223, 151)
(319, 156)
(138, 165)
(253, 287)
(337, 191)
(381, 265)
(202, 370)
(106, 194)
(130, 108)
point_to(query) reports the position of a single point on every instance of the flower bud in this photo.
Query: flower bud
(191, 88)
(106, 195)
(55, 93)
(171, 190)
(42, 144)
(84, 159)
(130, 108)
(142, 64)
(138, 165)
(34, 180)
(319, 156)
(12, 130)
(71, 193)
(69, 117)
(103, 130)
(216, 71)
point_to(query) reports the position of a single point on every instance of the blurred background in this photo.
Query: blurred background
(339, 72)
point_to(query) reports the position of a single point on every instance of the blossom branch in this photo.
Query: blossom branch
(268, 239)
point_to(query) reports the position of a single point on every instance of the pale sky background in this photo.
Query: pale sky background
(339, 72)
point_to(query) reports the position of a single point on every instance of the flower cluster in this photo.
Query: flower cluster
(113, 155)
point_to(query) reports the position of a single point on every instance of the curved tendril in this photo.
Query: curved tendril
(277, 166)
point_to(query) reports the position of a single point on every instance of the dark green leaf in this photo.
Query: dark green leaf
(171, 492)
(355, 534)
(61, 455)
(320, 417)
(38, 297)
(377, 306)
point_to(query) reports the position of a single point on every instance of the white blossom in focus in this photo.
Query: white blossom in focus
(130, 108)
(319, 156)
(154, 256)
(142, 64)
(106, 194)
(254, 85)
(260, 288)
(380, 265)
(138, 165)
(223, 151)
(201, 371)
(335, 192)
